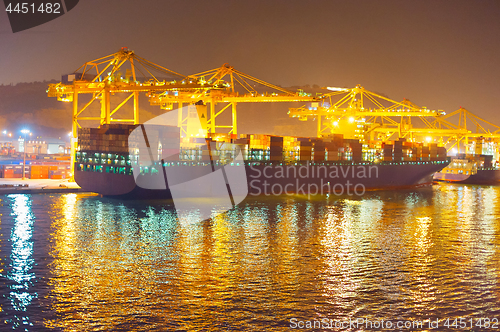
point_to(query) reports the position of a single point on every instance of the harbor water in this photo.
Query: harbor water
(80, 262)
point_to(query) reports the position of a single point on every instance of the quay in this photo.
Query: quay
(37, 186)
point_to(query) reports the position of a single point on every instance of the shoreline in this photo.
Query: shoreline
(38, 186)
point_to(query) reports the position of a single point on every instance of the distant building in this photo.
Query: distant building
(45, 146)
(18, 144)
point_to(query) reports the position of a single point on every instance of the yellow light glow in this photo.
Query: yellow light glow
(336, 89)
(351, 119)
(428, 138)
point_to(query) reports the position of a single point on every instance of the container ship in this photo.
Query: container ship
(110, 163)
(470, 169)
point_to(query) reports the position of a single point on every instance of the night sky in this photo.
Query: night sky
(439, 54)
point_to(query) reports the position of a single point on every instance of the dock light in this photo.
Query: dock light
(4, 132)
(351, 119)
(428, 139)
(335, 123)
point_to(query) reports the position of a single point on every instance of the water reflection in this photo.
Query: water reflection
(132, 266)
(21, 264)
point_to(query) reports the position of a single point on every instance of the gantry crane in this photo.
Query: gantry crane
(405, 128)
(237, 87)
(446, 132)
(349, 106)
(346, 109)
(104, 77)
(483, 129)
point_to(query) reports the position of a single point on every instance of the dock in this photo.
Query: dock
(38, 186)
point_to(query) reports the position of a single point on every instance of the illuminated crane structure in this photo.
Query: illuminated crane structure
(484, 130)
(352, 112)
(344, 110)
(364, 114)
(235, 87)
(104, 77)
(441, 129)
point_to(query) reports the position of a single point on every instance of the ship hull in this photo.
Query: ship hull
(483, 177)
(276, 179)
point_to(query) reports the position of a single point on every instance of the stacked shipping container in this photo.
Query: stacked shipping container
(107, 138)
(39, 170)
(113, 140)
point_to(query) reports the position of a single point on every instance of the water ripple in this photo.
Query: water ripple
(80, 262)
